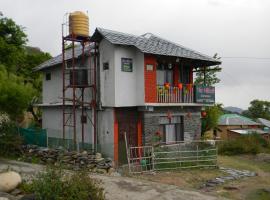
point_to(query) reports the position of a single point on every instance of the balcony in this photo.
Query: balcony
(188, 93)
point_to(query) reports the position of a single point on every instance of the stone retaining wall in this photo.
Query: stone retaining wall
(153, 120)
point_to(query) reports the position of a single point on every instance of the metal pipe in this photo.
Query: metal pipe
(63, 82)
(74, 94)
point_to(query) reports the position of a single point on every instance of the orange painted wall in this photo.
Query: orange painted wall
(150, 79)
(115, 140)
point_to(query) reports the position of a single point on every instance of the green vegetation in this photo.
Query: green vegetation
(245, 144)
(258, 109)
(259, 194)
(10, 141)
(210, 121)
(210, 75)
(18, 83)
(55, 185)
(14, 94)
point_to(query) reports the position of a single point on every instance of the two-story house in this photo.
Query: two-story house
(145, 88)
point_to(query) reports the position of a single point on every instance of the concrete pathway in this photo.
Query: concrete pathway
(117, 187)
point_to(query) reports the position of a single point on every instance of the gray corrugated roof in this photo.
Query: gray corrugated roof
(152, 44)
(234, 119)
(264, 122)
(146, 43)
(58, 59)
(248, 131)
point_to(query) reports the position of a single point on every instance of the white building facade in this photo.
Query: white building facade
(144, 89)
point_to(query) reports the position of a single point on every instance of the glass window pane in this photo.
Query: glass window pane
(160, 77)
(170, 133)
(169, 76)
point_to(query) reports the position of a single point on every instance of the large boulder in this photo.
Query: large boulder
(4, 198)
(9, 181)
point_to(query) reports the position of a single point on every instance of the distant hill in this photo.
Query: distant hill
(233, 109)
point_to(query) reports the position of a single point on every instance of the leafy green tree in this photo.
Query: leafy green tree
(16, 56)
(19, 85)
(258, 109)
(210, 121)
(12, 41)
(33, 57)
(14, 94)
(210, 75)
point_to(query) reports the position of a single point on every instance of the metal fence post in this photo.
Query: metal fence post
(153, 159)
(197, 154)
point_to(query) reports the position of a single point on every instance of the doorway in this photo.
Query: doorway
(127, 119)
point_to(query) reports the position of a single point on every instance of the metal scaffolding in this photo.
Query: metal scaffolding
(79, 64)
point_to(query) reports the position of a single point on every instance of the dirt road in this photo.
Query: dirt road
(120, 188)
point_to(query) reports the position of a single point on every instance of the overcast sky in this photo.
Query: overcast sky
(232, 28)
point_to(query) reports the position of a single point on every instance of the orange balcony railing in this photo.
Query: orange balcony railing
(174, 94)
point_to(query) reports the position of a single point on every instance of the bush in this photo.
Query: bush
(245, 144)
(54, 185)
(10, 140)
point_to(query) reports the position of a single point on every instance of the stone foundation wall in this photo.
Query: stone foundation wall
(152, 121)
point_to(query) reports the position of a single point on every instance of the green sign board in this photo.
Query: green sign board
(126, 64)
(205, 94)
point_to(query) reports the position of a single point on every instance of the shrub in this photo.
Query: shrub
(245, 144)
(10, 140)
(54, 185)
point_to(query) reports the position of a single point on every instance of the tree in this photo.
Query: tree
(19, 85)
(12, 41)
(33, 57)
(14, 94)
(210, 75)
(210, 121)
(16, 56)
(258, 109)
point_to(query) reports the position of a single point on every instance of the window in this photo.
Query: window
(48, 76)
(126, 65)
(170, 133)
(105, 66)
(83, 119)
(172, 130)
(184, 74)
(149, 67)
(164, 74)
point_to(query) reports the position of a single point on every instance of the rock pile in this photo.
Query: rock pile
(70, 159)
(233, 174)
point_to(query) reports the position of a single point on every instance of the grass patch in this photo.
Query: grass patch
(259, 194)
(244, 162)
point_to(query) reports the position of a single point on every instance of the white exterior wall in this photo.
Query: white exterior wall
(52, 89)
(129, 86)
(107, 77)
(52, 121)
(106, 132)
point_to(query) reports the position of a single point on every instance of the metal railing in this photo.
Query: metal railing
(175, 95)
(195, 154)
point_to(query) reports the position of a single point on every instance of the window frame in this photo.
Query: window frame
(48, 76)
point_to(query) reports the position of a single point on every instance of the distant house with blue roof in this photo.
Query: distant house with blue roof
(232, 125)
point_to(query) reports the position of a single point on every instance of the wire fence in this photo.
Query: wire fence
(182, 155)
